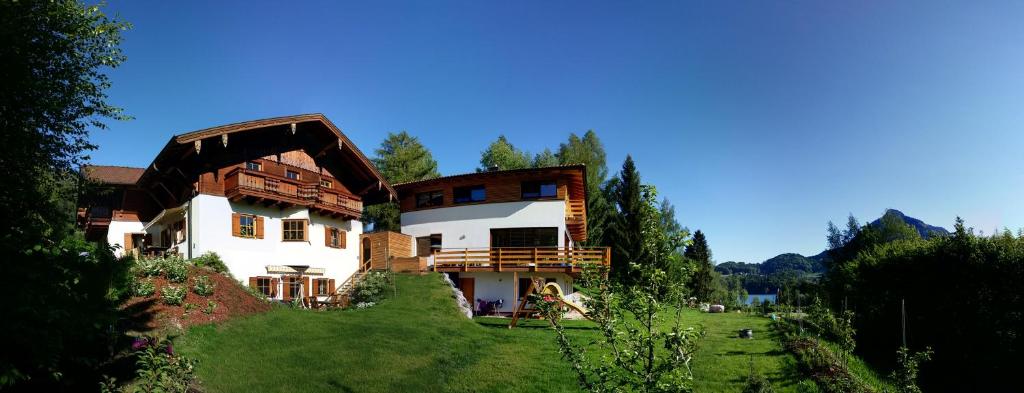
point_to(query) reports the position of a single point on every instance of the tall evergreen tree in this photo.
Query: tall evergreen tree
(503, 155)
(624, 234)
(703, 280)
(589, 151)
(400, 158)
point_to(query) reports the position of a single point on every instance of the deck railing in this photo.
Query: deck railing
(519, 258)
(244, 181)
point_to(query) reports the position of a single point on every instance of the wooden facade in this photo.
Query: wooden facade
(521, 259)
(383, 245)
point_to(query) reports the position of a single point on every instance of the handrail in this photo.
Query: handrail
(499, 258)
(305, 192)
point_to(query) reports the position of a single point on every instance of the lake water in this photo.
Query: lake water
(770, 297)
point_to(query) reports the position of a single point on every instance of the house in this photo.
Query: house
(280, 200)
(492, 231)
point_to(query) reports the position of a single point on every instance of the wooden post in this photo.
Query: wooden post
(535, 259)
(465, 261)
(499, 259)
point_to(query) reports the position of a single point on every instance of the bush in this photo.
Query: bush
(203, 286)
(175, 269)
(211, 260)
(757, 383)
(210, 306)
(255, 292)
(173, 295)
(159, 369)
(143, 287)
(372, 288)
(148, 267)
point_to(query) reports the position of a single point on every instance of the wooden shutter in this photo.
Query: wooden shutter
(327, 236)
(330, 286)
(305, 284)
(258, 223)
(305, 230)
(273, 287)
(342, 238)
(127, 242)
(252, 282)
(286, 295)
(236, 220)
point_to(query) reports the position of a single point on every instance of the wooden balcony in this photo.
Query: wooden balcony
(260, 187)
(576, 218)
(520, 259)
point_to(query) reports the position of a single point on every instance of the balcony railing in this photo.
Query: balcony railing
(242, 182)
(520, 259)
(576, 218)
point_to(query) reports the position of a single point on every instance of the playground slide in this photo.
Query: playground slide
(553, 289)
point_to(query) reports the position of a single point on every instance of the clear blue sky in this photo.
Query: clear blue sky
(759, 120)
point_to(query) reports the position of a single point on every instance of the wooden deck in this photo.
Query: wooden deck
(520, 259)
(260, 187)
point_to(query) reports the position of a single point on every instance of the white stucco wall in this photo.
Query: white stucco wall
(470, 225)
(211, 231)
(116, 231)
(491, 286)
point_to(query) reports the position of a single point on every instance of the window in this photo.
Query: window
(263, 284)
(524, 237)
(470, 194)
(430, 199)
(334, 237)
(293, 230)
(321, 286)
(524, 285)
(291, 174)
(253, 166)
(326, 183)
(539, 189)
(293, 287)
(426, 245)
(247, 226)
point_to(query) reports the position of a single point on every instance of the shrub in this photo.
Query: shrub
(255, 292)
(210, 306)
(159, 369)
(189, 307)
(175, 269)
(203, 286)
(757, 383)
(143, 287)
(372, 288)
(211, 260)
(362, 305)
(149, 267)
(173, 295)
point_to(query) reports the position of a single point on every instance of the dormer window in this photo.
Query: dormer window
(540, 189)
(326, 183)
(253, 166)
(470, 194)
(291, 174)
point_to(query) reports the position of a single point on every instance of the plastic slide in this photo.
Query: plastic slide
(552, 289)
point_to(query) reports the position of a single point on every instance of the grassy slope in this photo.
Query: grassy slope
(417, 342)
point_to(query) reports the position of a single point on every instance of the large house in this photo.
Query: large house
(278, 199)
(493, 231)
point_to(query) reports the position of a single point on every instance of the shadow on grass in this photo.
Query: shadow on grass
(502, 323)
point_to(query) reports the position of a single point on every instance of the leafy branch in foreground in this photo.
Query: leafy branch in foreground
(643, 345)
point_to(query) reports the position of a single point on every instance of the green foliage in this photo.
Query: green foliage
(175, 269)
(372, 288)
(545, 159)
(909, 364)
(210, 260)
(624, 232)
(172, 295)
(160, 370)
(836, 329)
(400, 158)
(148, 267)
(143, 287)
(757, 383)
(255, 292)
(589, 151)
(202, 286)
(503, 155)
(210, 307)
(641, 350)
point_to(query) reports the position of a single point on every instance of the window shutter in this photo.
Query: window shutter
(305, 230)
(327, 236)
(236, 219)
(273, 287)
(259, 227)
(252, 282)
(305, 283)
(330, 286)
(127, 242)
(342, 238)
(286, 295)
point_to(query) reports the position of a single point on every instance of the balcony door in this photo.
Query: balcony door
(524, 237)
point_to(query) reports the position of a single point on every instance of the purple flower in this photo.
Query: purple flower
(170, 349)
(139, 343)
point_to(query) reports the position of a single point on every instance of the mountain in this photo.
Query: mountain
(923, 229)
(790, 261)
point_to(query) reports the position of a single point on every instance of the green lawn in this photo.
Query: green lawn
(418, 342)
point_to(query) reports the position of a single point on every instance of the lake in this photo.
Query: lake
(770, 297)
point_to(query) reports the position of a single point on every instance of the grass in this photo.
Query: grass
(417, 342)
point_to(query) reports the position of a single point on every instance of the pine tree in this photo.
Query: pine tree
(503, 155)
(400, 158)
(624, 234)
(703, 281)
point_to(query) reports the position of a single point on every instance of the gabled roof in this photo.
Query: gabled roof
(109, 174)
(180, 144)
(577, 173)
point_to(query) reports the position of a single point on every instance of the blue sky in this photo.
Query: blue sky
(760, 121)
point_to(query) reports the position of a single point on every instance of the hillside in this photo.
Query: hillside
(922, 228)
(417, 341)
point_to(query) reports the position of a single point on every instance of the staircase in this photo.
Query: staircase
(344, 291)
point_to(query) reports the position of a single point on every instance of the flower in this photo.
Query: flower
(139, 343)
(170, 349)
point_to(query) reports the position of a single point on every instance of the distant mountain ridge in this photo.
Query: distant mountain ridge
(815, 263)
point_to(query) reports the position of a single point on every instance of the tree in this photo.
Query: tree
(704, 279)
(624, 233)
(642, 348)
(65, 290)
(545, 159)
(400, 158)
(589, 151)
(503, 155)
